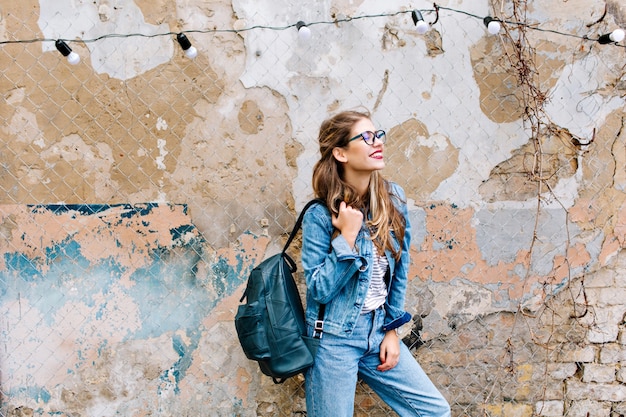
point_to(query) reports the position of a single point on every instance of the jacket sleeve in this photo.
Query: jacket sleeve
(396, 316)
(328, 264)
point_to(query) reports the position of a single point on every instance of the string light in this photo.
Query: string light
(616, 36)
(493, 25)
(304, 33)
(420, 26)
(72, 57)
(190, 51)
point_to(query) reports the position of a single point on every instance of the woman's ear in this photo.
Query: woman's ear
(339, 154)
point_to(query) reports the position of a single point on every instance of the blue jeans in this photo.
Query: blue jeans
(330, 383)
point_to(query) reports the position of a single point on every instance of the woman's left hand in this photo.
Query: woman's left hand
(389, 351)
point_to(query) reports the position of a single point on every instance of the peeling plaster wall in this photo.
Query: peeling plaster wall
(110, 307)
(140, 187)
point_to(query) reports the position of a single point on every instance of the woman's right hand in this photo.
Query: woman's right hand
(348, 222)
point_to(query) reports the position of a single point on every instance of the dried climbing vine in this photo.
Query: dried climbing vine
(521, 60)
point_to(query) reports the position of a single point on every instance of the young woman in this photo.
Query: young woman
(355, 256)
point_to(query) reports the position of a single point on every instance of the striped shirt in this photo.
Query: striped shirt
(377, 291)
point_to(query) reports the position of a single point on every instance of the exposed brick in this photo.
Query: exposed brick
(550, 408)
(552, 390)
(588, 408)
(517, 410)
(606, 296)
(619, 409)
(509, 410)
(602, 278)
(561, 371)
(493, 410)
(613, 353)
(605, 324)
(576, 390)
(593, 372)
(603, 333)
(576, 354)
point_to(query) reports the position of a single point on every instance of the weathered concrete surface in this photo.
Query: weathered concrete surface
(107, 307)
(112, 305)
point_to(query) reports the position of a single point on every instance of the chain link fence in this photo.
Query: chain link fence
(139, 187)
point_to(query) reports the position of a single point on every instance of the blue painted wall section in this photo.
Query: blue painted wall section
(106, 276)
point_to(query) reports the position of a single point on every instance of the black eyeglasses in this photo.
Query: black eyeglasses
(369, 137)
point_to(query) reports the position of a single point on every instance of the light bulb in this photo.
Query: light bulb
(493, 25)
(304, 33)
(190, 51)
(420, 26)
(617, 35)
(72, 57)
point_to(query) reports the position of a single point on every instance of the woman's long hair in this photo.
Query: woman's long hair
(328, 184)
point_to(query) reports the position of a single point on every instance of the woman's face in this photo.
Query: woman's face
(358, 156)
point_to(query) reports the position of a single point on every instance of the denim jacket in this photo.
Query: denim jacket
(339, 277)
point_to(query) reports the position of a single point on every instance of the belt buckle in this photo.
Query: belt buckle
(318, 329)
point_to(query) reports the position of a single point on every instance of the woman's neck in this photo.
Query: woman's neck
(360, 183)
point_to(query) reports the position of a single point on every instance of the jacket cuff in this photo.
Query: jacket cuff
(405, 318)
(340, 244)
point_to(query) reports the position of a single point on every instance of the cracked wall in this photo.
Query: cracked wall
(140, 187)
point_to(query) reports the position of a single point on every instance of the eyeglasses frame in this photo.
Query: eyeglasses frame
(376, 135)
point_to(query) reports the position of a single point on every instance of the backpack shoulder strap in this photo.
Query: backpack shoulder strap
(319, 323)
(298, 224)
